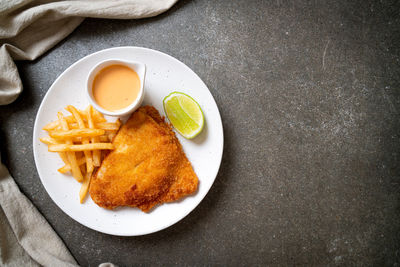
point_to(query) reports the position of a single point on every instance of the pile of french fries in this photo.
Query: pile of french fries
(81, 140)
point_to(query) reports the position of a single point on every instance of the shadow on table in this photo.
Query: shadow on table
(24, 103)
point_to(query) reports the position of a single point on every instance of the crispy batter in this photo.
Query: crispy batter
(147, 167)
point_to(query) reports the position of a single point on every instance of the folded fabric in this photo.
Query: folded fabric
(26, 237)
(29, 28)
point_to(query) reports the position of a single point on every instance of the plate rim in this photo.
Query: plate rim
(36, 132)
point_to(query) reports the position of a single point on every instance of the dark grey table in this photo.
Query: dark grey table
(309, 96)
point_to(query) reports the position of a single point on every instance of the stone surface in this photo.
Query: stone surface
(309, 96)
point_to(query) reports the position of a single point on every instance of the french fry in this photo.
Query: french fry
(69, 147)
(67, 167)
(57, 125)
(77, 139)
(97, 117)
(85, 187)
(111, 136)
(83, 170)
(49, 141)
(111, 126)
(76, 172)
(64, 157)
(68, 134)
(96, 153)
(51, 126)
(103, 138)
(88, 154)
(81, 140)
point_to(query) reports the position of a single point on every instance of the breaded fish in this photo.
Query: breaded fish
(146, 168)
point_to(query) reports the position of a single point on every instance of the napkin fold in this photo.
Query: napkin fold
(28, 28)
(26, 237)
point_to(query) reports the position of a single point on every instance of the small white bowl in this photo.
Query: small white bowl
(138, 67)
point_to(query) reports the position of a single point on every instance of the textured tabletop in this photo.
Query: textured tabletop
(309, 94)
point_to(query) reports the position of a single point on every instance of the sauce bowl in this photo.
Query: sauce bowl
(138, 67)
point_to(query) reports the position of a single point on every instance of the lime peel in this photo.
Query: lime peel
(184, 113)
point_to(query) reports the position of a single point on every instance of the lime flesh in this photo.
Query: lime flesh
(184, 113)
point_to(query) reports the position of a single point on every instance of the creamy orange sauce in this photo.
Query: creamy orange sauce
(116, 87)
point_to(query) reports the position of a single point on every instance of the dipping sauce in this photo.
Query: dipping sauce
(115, 87)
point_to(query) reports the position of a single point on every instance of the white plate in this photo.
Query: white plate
(165, 74)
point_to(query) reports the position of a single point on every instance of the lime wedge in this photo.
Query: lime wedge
(184, 113)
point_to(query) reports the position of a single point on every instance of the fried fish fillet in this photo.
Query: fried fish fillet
(146, 168)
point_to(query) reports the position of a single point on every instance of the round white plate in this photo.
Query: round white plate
(165, 74)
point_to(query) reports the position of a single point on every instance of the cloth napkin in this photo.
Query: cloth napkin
(28, 28)
(26, 237)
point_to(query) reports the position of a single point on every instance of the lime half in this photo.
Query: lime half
(184, 113)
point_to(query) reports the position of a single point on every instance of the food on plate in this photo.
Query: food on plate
(97, 117)
(184, 113)
(76, 133)
(115, 87)
(80, 139)
(83, 147)
(147, 166)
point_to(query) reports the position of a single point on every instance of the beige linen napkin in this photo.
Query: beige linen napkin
(26, 239)
(28, 28)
